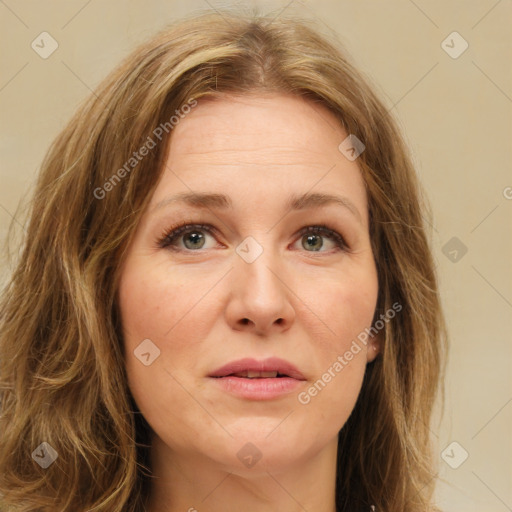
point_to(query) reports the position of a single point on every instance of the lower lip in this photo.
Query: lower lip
(258, 389)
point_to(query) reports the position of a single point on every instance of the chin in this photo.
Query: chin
(258, 451)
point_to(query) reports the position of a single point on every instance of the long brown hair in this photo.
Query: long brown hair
(62, 376)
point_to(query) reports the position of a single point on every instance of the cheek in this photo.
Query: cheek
(163, 307)
(346, 305)
(154, 304)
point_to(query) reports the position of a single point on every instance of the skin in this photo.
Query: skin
(204, 307)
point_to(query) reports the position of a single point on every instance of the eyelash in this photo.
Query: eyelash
(172, 234)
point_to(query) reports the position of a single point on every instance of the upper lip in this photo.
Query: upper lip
(272, 364)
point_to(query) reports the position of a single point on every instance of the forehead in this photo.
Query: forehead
(259, 123)
(259, 146)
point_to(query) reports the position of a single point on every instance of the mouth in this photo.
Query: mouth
(271, 368)
(258, 380)
(255, 375)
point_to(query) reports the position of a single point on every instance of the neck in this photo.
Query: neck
(185, 482)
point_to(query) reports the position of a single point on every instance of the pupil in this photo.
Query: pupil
(195, 239)
(311, 239)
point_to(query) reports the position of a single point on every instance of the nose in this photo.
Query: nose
(259, 299)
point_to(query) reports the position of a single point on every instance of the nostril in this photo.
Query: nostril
(245, 321)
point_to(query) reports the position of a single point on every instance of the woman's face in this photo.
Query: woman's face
(247, 281)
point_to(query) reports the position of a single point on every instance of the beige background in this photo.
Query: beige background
(456, 114)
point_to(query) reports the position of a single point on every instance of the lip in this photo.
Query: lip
(271, 364)
(258, 388)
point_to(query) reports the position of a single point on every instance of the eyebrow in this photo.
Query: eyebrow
(295, 202)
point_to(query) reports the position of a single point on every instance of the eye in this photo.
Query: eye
(312, 239)
(193, 237)
(189, 237)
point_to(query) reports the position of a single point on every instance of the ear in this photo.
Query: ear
(374, 347)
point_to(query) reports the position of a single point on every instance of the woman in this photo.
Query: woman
(225, 298)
